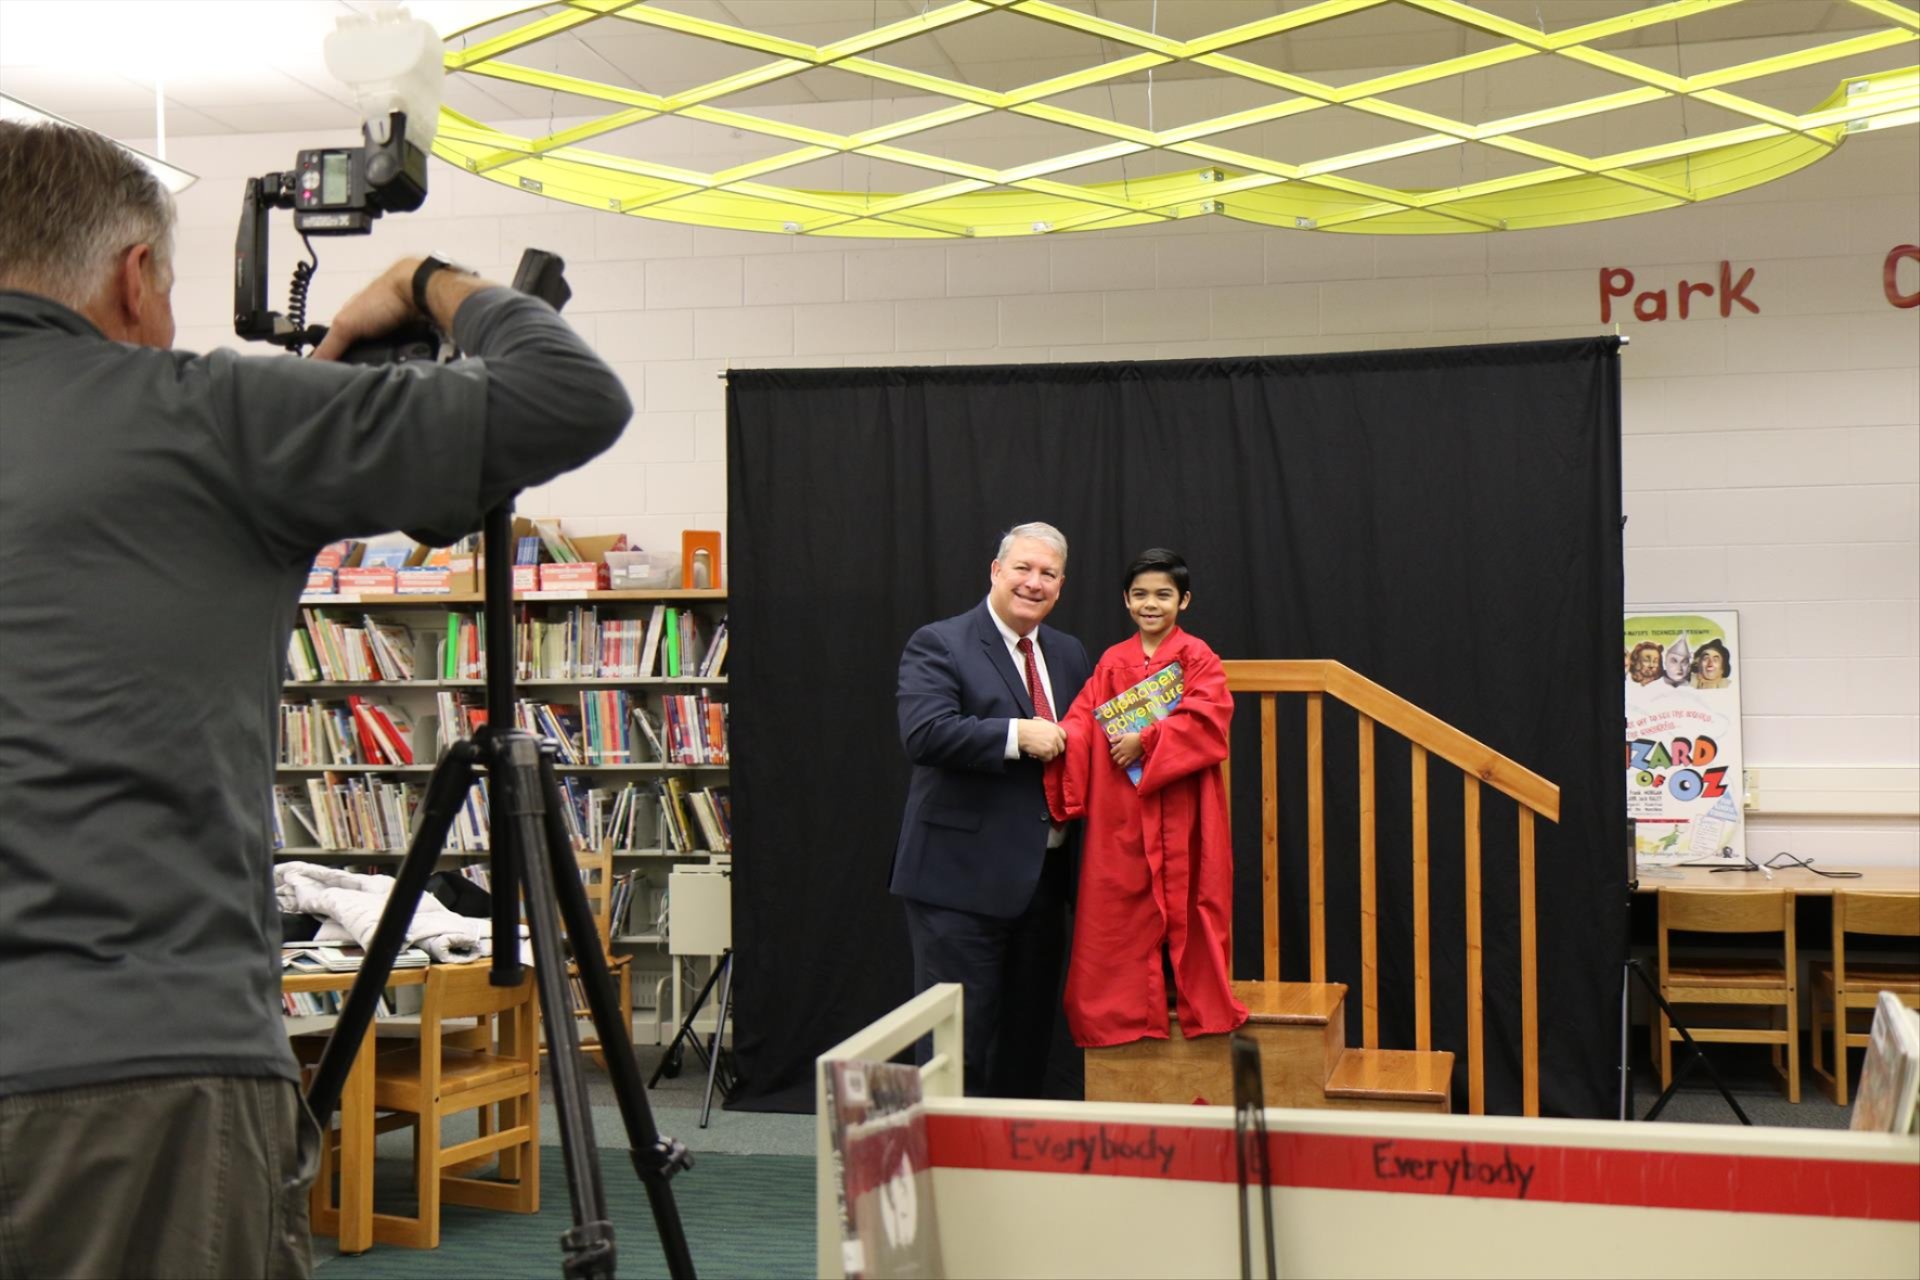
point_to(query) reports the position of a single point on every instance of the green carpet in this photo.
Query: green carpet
(743, 1216)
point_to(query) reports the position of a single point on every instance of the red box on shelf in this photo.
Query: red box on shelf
(320, 581)
(588, 575)
(526, 577)
(375, 581)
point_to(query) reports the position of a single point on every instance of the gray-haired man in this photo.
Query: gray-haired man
(158, 511)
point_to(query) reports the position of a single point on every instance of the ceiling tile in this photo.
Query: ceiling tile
(64, 92)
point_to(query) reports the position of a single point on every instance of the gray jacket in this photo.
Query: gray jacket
(158, 511)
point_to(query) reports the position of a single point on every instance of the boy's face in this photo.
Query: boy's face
(1154, 603)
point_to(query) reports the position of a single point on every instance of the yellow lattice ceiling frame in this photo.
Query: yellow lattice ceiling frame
(976, 200)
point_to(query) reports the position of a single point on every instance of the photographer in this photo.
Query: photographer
(158, 514)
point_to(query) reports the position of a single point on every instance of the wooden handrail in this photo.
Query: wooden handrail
(1479, 764)
(1321, 675)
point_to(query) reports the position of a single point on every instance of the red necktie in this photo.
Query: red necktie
(1035, 690)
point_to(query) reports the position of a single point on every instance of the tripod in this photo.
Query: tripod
(531, 851)
(709, 1052)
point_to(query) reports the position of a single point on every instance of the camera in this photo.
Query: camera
(393, 65)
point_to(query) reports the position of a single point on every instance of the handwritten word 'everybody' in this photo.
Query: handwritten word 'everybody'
(1083, 1149)
(1460, 1174)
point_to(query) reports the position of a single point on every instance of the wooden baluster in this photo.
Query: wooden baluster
(1422, 948)
(1529, 975)
(1269, 838)
(1476, 1058)
(1316, 836)
(1369, 946)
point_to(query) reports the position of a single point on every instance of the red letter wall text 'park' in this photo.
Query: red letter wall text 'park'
(1617, 282)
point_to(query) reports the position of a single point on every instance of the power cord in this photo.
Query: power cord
(1807, 864)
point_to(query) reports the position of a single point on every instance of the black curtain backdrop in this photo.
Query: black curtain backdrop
(1445, 521)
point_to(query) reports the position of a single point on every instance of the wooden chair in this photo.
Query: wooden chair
(1839, 988)
(421, 1083)
(596, 877)
(1768, 983)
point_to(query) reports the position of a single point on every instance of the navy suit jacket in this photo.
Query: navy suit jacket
(974, 835)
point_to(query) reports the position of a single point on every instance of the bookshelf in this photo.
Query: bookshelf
(652, 796)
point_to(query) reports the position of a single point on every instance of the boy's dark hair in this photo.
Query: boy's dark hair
(1158, 560)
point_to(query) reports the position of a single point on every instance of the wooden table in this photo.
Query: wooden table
(352, 1223)
(1801, 882)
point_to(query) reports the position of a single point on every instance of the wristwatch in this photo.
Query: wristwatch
(432, 263)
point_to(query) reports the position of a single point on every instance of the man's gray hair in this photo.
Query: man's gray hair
(71, 203)
(1037, 530)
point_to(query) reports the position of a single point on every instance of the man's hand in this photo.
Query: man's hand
(381, 307)
(387, 303)
(1126, 749)
(1041, 739)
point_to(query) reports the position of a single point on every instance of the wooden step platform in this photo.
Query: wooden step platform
(1391, 1080)
(1304, 1062)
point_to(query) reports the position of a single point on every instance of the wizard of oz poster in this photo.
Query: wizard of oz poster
(1684, 784)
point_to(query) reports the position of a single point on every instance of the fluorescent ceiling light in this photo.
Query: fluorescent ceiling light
(173, 179)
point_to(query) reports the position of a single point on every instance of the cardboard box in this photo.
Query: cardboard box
(423, 579)
(526, 577)
(320, 581)
(373, 581)
(591, 573)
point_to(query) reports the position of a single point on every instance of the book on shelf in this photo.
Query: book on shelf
(314, 1004)
(386, 731)
(715, 818)
(557, 721)
(694, 729)
(526, 549)
(607, 726)
(670, 644)
(463, 653)
(650, 649)
(714, 663)
(458, 714)
(1134, 709)
(651, 731)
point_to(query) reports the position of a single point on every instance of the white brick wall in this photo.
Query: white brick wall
(1771, 462)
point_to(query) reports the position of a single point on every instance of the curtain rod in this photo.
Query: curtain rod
(1626, 340)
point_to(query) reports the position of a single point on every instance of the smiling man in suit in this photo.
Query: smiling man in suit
(983, 871)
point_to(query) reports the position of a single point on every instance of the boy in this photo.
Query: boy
(1145, 741)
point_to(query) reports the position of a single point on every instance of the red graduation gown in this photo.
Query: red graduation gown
(1156, 863)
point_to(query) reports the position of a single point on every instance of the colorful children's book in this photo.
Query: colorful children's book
(1146, 703)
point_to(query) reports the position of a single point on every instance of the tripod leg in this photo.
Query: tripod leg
(656, 1158)
(446, 792)
(1626, 1069)
(520, 798)
(1696, 1054)
(719, 1030)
